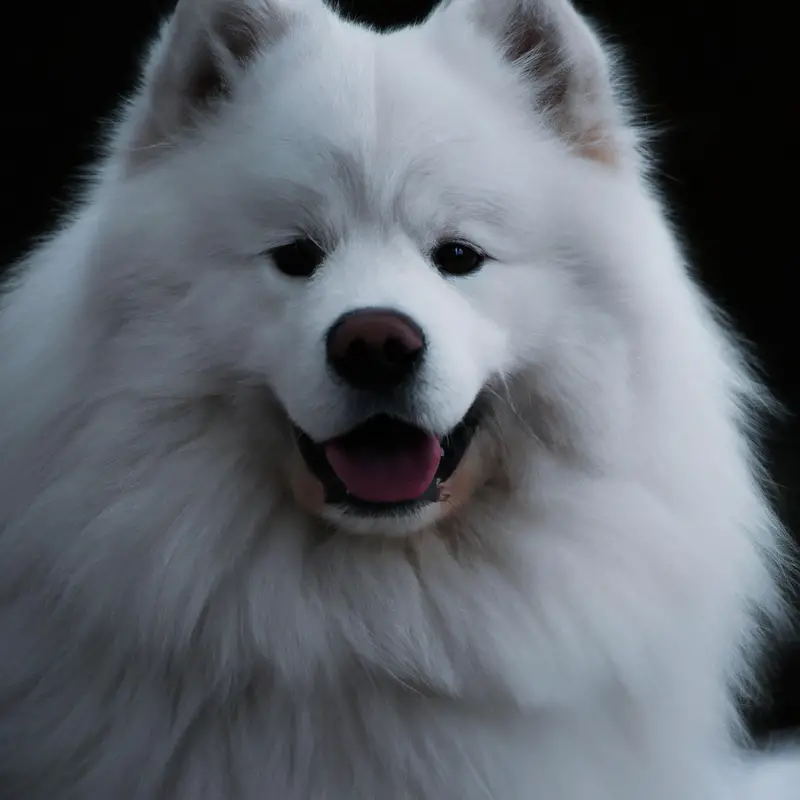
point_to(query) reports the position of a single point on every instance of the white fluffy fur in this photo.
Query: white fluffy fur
(171, 626)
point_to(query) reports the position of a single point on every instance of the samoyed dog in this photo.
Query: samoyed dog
(364, 435)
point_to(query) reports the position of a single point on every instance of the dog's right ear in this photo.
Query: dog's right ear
(558, 55)
(193, 66)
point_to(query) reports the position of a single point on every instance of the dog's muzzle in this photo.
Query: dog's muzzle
(385, 463)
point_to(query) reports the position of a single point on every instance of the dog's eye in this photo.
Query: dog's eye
(298, 259)
(457, 258)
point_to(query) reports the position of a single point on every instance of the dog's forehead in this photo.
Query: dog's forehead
(369, 94)
(371, 118)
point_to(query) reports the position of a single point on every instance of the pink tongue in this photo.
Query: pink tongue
(381, 477)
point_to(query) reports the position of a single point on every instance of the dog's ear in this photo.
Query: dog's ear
(560, 56)
(195, 63)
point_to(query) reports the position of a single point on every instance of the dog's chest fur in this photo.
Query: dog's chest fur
(365, 745)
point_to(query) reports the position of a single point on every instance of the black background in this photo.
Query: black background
(704, 75)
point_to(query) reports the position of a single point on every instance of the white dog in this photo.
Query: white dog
(363, 435)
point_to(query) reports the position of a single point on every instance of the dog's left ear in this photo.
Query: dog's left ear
(194, 67)
(563, 61)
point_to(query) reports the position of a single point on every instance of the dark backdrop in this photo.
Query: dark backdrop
(702, 75)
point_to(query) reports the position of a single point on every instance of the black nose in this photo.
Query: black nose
(375, 349)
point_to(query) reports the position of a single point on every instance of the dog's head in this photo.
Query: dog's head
(378, 229)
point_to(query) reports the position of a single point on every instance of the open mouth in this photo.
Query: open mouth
(386, 465)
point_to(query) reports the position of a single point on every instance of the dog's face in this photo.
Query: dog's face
(382, 267)
(385, 225)
(391, 275)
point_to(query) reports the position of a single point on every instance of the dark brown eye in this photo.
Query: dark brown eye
(457, 258)
(298, 259)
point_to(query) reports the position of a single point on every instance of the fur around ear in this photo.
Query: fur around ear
(194, 64)
(559, 54)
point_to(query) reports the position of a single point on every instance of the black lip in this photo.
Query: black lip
(454, 446)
